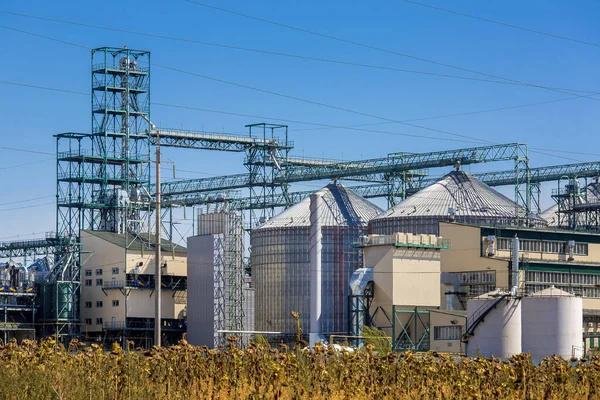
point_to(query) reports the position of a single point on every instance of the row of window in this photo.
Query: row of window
(88, 282)
(88, 304)
(450, 332)
(100, 271)
(543, 246)
(475, 277)
(88, 321)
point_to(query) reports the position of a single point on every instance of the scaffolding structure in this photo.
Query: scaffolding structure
(578, 204)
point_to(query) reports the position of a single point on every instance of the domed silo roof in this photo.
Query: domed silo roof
(343, 207)
(551, 215)
(280, 260)
(471, 201)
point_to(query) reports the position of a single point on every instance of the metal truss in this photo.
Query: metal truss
(214, 141)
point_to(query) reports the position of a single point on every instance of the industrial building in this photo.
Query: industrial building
(118, 289)
(94, 276)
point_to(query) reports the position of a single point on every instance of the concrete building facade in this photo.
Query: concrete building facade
(117, 289)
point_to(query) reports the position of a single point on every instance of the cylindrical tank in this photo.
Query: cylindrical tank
(280, 261)
(64, 291)
(457, 197)
(496, 321)
(552, 324)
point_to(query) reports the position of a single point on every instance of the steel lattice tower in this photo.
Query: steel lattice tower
(102, 176)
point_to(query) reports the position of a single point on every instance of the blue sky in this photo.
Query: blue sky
(30, 117)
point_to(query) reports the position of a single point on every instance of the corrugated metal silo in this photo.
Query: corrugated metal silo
(552, 324)
(280, 261)
(457, 196)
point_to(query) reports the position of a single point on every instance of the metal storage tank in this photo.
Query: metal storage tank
(280, 261)
(457, 196)
(497, 332)
(552, 324)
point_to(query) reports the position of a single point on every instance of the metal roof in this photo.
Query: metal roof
(460, 191)
(133, 243)
(342, 207)
(550, 215)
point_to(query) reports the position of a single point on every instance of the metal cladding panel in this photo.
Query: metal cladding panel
(281, 262)
(202, 302)
(281, 273)
(473, 202)
(499, 334)
(552, 324)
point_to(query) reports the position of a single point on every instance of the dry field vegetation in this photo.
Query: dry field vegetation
(46, 370)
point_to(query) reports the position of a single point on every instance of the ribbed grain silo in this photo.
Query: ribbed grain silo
(280, 261)
(494, 322)
(552, 321)
(457, 196)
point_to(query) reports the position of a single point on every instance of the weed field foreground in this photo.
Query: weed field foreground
(46, 370)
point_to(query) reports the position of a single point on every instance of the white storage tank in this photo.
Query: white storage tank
(494, 323)
(552, 324)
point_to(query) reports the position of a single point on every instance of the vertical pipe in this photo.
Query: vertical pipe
(316, 245)
(515, 266)
(157, 277)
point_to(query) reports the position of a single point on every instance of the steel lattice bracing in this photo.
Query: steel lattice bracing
(405, 162)
(187, 195)
(57, 298)
(215, 141)
(101, 176)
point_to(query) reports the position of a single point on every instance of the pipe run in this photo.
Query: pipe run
(316, 245)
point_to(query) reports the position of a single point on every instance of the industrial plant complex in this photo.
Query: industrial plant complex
(451, 264)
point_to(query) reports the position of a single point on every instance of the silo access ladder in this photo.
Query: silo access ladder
(480, 314)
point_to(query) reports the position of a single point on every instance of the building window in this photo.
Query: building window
(99, 304)
(88, 272)
(115, 303)
(88, 321)
(99, 271)
(98, 321)
(115, 270)
(88, 282)
(99, 282)
(88, 304)
(451, 332)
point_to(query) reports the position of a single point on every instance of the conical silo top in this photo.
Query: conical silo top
(552, 292)
(460, 193)
(342, 207)
(551, 215)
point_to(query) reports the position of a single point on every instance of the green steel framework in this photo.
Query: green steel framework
(94, 170)
(55, 309)
(103, 176)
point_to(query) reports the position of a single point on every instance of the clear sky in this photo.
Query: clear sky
(30, 117)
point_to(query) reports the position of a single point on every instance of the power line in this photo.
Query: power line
(461, 114)
(505, 81)
(322, 126)
(268, 52)
(20, 208)
(301, 99)
(24, 201)
(25, 164)
(26, 150)
(504, 24)
(372, 47)
(317, 103)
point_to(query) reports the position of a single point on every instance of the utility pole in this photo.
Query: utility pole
(157, 273)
